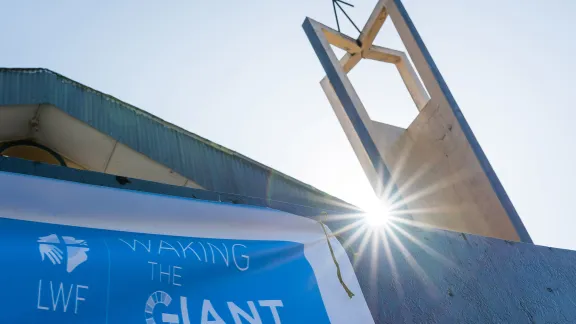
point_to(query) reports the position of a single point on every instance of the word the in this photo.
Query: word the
(169, 274)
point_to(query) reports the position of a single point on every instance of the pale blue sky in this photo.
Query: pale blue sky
(242, 74)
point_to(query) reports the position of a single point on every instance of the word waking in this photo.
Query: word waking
(227, 254)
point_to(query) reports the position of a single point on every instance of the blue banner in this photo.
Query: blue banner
(67, 274)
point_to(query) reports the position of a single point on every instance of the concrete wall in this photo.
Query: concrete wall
(435, 172)
(415, 276)
(441, 179)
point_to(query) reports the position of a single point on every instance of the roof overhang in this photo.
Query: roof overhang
(97, 132)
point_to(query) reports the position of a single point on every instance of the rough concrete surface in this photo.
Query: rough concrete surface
(440, 177)
(447, 277)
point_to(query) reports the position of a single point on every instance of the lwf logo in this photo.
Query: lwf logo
(51, 248)
(56, 296)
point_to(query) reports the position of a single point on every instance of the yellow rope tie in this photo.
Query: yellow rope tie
(338, 272)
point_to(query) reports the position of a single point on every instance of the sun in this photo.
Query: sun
(377, 215)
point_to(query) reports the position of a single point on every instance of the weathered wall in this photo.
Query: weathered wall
(441, 179)
(450, 277)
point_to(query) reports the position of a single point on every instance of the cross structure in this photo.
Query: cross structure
(434, 172)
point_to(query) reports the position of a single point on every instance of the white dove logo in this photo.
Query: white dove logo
(75, 250)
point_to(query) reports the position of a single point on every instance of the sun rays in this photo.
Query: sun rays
(389, 237)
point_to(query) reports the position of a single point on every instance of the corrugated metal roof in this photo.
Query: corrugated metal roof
(212, 166)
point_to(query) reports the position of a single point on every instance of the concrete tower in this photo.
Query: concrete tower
(434, 171)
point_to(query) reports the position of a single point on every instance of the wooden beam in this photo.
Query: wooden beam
(340, 40)
(349, 61)
(382, 54)
(373, 25)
